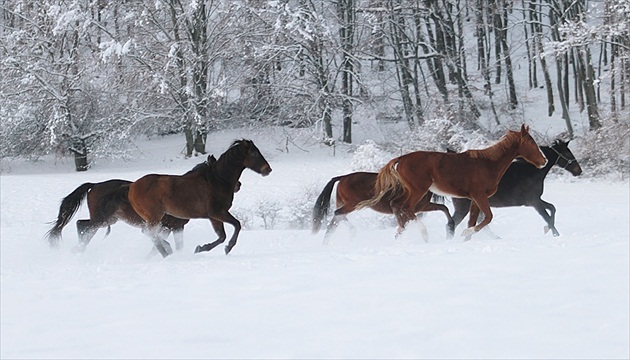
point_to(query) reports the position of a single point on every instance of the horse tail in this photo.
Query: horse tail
(69, 206)
(388, 181)
(320, 211)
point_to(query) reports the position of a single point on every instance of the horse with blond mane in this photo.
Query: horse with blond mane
(472, 174)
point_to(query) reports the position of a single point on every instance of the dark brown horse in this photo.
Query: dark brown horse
(205, 194)
(97, 202)
(87, 228)
(357, 187)
(473, 174)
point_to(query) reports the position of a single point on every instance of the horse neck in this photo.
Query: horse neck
(227, 170)
(552, 157)
(502, 154)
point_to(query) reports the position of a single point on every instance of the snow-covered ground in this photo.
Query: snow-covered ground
(282, 294)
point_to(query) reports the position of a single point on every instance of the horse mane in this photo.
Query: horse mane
(201, 167)
(495, 151)
(230, 161)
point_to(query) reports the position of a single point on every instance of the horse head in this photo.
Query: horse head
(529, 150)
(566, 159)
(254, 160)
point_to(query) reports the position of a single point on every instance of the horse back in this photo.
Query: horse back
(357, 187)
(99, 190)
(451, 174)
(185, 197)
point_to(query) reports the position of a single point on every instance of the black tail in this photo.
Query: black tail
(320, 211)
(69, 206)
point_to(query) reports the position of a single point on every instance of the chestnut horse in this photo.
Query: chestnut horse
(472, 174)
(357, 187)
(96, 201)
(204, 194)
(523, 184)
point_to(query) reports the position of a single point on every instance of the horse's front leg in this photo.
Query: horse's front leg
(541, 206)
(472, 228)
(483, 205)
(237, 229)
(473, 214)
(219, 229)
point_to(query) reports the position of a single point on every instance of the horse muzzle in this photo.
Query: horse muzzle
(266, 170)
(576, 171)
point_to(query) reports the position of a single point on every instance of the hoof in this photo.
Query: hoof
(228, 249)
(198, 249)
(467, 233)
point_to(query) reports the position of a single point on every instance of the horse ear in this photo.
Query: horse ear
(524, 129)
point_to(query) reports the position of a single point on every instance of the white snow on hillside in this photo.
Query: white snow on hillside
(282, 294)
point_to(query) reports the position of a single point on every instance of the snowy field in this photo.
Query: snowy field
(282, 294)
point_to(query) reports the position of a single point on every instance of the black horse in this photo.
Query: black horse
(522, 185)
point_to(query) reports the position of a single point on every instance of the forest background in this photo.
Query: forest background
(85, 78)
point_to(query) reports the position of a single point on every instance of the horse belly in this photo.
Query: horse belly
(187, 211)
(438, 191)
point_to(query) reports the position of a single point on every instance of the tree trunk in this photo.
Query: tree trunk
(80, 162)
(80, 151)
(327, 119)
(346, 33)
(200, 142)
(589, 90)
(543, 61)
(190, 141)
(563, 102)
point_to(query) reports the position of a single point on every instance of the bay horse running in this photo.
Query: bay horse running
(472, 174)
(100, 218)
(203, 194)
(354, 188)
(523, 185)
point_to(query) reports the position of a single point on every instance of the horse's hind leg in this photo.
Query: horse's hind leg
(423, 230)
(219, 229)
(340, 215)
(541, 206)
(332, 226)
(86, 230)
